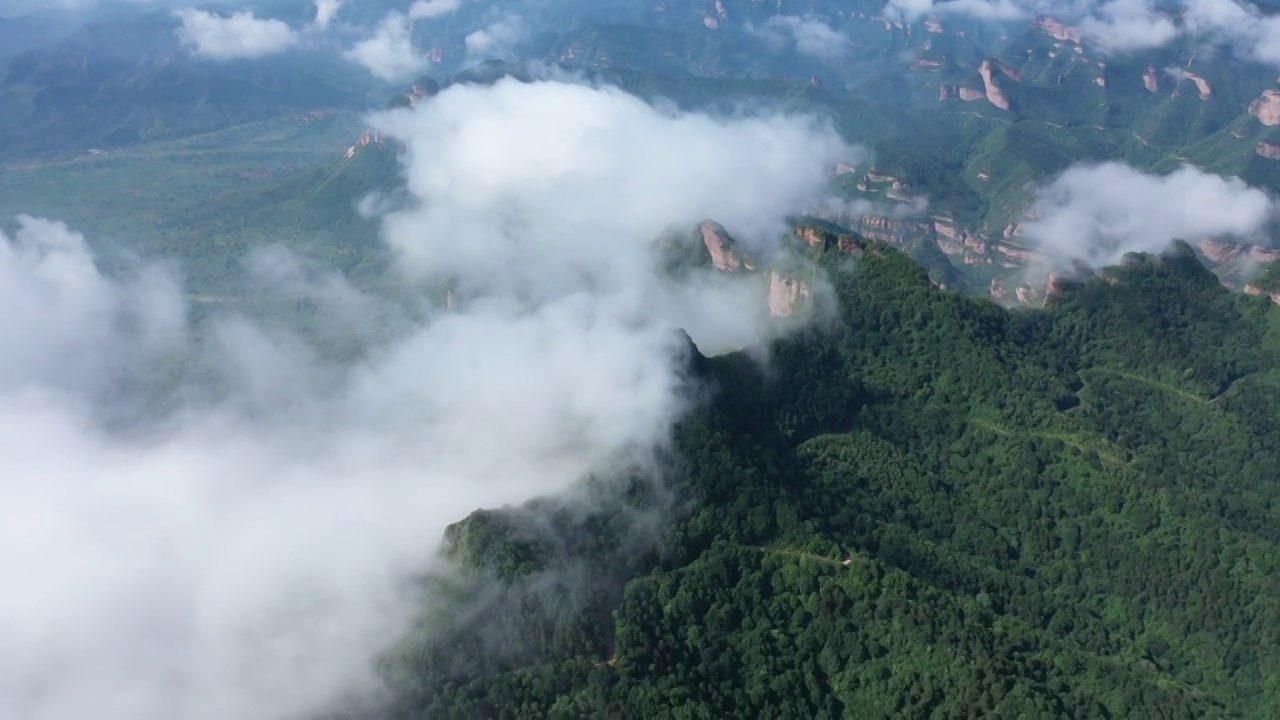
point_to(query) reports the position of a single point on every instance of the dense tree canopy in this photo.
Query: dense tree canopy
(930, 507)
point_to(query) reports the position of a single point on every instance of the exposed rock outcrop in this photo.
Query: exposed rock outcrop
(993, 92)
(997, 289)
(1150, 80)
(785, 293)
(971, 94)
(1206, 90)
(724, 253)
(423, 88)
(1251, 289)
(1223, 252)
(1054, 289)
(711, 23)
(1267, 108)
(1268, 151)
(1008, 70)
(1014, 253)
(367, 138)
(1058, 30)
(813, 237)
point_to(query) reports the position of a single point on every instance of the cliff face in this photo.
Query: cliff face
(725, 256)
(367, 138)
(1150, 80)
(1267, 108)
(992, 91)
(785, 293)
(1257, 291)
(1202, 85)
(1223, 252)
(1058, 30)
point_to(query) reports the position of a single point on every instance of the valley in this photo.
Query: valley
(694, 358)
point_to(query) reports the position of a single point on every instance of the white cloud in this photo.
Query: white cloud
(389, 53)
(426, 9)
(326, 11)
(610, 152)
(1252, 34)
(1124, 25)
(247, 555)
(59, 313)
(1097, 213)
(811, 36)
(909, 10)
(240, 35)
(1127, 25)
(497, 40)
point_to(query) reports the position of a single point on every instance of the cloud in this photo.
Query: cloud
(326, 11)
(1097, 213)
(1124, 25)
(426, 9)
(1253, 35)
(909, 10)
(612, 154)
(811, 36)
(238, 36)
(389, 54)
(497, 40)
(60, 314)
(248, 549)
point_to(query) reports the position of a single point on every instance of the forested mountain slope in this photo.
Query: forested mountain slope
(929, 507)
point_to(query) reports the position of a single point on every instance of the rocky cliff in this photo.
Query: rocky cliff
(785, 294)
(1267, 108)
(1268, 151)
(992, 91)
(725, 255)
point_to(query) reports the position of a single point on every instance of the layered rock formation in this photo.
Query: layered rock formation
(1223, 252)
(724, 253)
(993, 92)
(1058, 30)
(1267, 108)
(1268, 151)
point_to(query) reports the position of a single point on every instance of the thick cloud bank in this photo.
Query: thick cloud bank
(240, 35)
(1097, 213)
(810, 35)
(246, 554)
(389, 52)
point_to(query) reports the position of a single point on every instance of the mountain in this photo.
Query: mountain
(962, 117)
(931, 507)
(126, 80)
(25, 32)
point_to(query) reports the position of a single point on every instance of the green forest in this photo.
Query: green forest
(929, 506)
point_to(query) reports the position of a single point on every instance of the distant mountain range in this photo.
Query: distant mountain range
(127, 80)
(968, 116)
